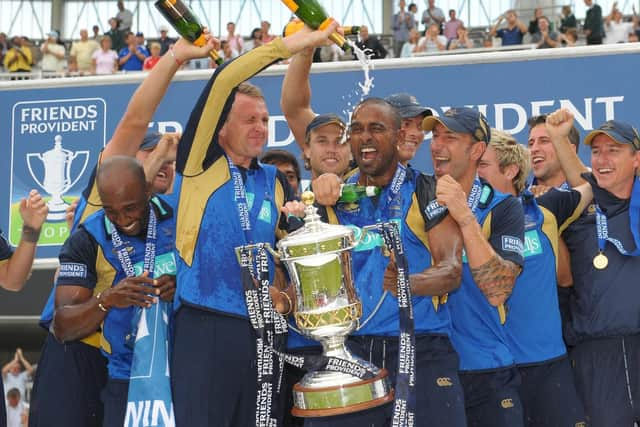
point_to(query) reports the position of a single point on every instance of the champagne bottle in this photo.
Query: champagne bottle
(314, 15)
(351, 193)
(296, 25)
(186, 23)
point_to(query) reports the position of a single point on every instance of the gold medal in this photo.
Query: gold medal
(600, 261)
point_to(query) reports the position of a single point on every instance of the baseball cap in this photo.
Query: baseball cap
(407, 105)
(163, 28)
(53, 34)
(150, 141)
(139, 34)
(323, 120)
(462, 120)
(620, 132)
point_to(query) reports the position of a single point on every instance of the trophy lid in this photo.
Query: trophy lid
(316, 237)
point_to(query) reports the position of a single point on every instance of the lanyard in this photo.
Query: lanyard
(474, 195)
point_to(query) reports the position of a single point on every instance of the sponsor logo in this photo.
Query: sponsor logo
(73, 270)
(265, 212)
(444, 382)
(434, 210)
(512, 244)
(506, 403)
(164, 264)
(532, 243)
(149, 413)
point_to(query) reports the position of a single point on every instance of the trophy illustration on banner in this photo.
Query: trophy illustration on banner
(318, 259)
(57, 175)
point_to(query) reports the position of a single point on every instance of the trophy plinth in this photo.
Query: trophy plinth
(318, 260)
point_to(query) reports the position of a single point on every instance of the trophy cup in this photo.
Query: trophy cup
(57, 175)
(318, 260)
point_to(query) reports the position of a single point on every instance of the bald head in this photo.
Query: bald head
(119, 172)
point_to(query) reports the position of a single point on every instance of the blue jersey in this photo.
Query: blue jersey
(87, 259)
(478, 335)
(510, 36)
(380, 312)
(607, 301)
(5, 249)
(133, 63)
(533, 328)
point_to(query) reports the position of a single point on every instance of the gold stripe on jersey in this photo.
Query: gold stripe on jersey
(279, 201)
(550, 229)
(106, 274)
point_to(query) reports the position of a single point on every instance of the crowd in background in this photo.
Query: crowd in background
(414, 32)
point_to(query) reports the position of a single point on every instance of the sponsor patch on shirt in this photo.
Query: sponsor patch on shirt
(532, 243)
(73, 270)
(434, 210)
(512, 244)
(265, 212)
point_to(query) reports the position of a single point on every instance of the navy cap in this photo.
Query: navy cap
(323, 120)
(150, 141)
(620, 132)
(407, 105)
(139, 34)
(462, 120)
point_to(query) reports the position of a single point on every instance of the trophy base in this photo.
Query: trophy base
(349, 395)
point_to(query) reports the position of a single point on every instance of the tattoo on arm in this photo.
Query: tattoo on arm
(496, 278)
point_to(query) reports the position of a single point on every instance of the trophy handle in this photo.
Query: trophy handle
(84, 166)
(39, 157)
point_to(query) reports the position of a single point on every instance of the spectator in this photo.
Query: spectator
(235, 41)
(82, 53)
(533, 24)
(487, 42)
(52, 53)
(402, 24)
(593, 28)
(164, 40)
(287, 164)
(255, 40)
(116, 36)
(13, 375)
(616, 30)
(152, 60)
(96, 33)
(4, 47)
(462, 41)
(141, 44)
(17, 410)
(570, 38)
(433, 15)
(266, 36)
(514, 31)
(104, 60)
(371, 43)
(124, 17)
(131, 57)
(432, 40)
(413, 11)
(568, 19)
(226, 53)
(545, 38)
(410, 45)
(18, 57)
(452, 25)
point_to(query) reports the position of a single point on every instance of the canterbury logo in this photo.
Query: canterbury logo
(444, 382)
(507, 403)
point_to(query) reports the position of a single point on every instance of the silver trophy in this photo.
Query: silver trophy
(318, 260)
(57, 175)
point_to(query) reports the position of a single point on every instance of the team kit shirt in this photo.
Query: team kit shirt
(607, 301)
(478, 330)
(88, 259)
(380, 315)
(533, 327)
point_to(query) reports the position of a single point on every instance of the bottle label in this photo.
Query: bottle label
(325, 23)
(291, 4)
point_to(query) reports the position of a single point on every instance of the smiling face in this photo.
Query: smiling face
(544, 161)
(374, 136)
(326, 152)
(614, 165)
(413, 138)
(500, 178)
(164, 178)
(454, 153)
(244, 134)
(125, 202)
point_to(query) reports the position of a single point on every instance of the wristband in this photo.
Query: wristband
(100, 306)
(173, 55)
(30, 234)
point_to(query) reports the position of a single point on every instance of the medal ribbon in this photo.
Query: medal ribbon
(270, 326)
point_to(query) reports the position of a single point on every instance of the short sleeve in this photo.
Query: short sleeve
(507, 230)
(563, 204)
(432, 212)
(78, 260)
(5, 248)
